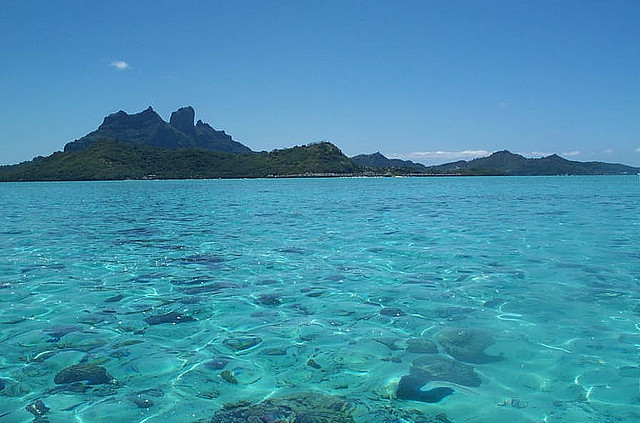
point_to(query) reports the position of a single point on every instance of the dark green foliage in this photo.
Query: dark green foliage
(501, 163)
(377, 161)
(144, 146)
(113, 160)
(507, 163)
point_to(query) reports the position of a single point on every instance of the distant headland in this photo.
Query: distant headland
(144, 146)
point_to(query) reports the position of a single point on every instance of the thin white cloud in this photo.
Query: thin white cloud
(608, 151)
(572, 153)
(120, 64)
(465, 154)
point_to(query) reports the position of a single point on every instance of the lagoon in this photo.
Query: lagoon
(505, 299)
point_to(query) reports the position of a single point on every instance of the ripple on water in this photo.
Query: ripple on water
(391, 300)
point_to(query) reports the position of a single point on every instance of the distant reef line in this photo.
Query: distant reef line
(144, 146)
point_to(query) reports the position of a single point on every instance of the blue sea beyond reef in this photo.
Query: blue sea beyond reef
(497, 299)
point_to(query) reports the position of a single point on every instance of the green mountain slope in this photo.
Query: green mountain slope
(377, 161)
(143, 145)
(507, 163)
(111, 160)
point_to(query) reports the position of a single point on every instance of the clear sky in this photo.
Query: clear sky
(428, 80)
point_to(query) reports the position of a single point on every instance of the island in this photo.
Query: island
(144, 146)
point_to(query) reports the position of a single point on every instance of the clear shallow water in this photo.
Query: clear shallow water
(334, 279)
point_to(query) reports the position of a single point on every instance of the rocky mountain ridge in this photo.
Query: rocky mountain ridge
(149, 129)
(144, 146)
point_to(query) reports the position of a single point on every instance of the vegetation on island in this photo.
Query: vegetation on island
(144, 146)
(510, 164)
(377, 161)
(112, 160)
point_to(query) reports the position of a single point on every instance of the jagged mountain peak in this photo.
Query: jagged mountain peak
(121, 118)
(182, 120)
(148, 128)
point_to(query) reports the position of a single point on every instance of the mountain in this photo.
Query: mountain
(114, 160)
(149, 129)
(507, 163)
(377, 161)
(144, 146)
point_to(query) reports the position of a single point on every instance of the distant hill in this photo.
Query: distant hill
(144, 146)
(507, 163)
(114, 160)
(149, 129)
(377, 161)
(110, 160)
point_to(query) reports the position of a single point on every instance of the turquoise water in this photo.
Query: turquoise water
(331, 286)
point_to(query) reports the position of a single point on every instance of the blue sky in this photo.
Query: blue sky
(431, 81)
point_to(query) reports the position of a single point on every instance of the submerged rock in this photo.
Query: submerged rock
(274, 351)
(203, 289)
(152, 392)
(468, 345)
(453, 313)
(434, 368)
(421, 346)
(85, 372)
(57, 332)
(269, 300)
(310, 407)
(392, 311)
(171, 317)
(228, 376)
(243, 343)
(15, 389)
(389, 342)
(493, 303)
(141, 402)
(208, 288)
(83, 344)
(627, 371)
(37, 408)
(312, 363)
(217, 363)
(410, 388)
(114, 299)
(514, 402)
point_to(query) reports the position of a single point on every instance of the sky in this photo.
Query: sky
(430, 80)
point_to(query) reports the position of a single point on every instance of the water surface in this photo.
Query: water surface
(195, 294)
